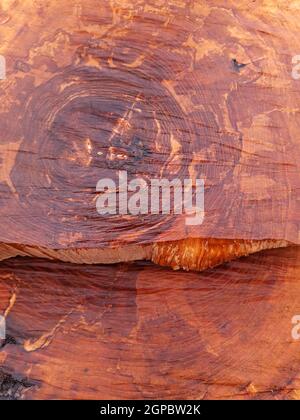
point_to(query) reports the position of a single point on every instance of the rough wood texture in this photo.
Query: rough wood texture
(199, 89)
(142, 331)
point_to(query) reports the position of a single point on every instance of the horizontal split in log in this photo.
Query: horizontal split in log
(187, 254)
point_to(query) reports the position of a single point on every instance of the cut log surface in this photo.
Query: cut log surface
(160, 89)
(142, 331)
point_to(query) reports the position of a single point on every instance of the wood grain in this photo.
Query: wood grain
(142, 331)
(157, 88)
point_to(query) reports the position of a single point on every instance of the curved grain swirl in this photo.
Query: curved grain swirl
(161, 90)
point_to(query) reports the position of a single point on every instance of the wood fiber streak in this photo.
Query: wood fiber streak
(167, 89)
(143, 331)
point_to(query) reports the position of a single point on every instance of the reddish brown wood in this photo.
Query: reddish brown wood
(140, 331)
(156, 88)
